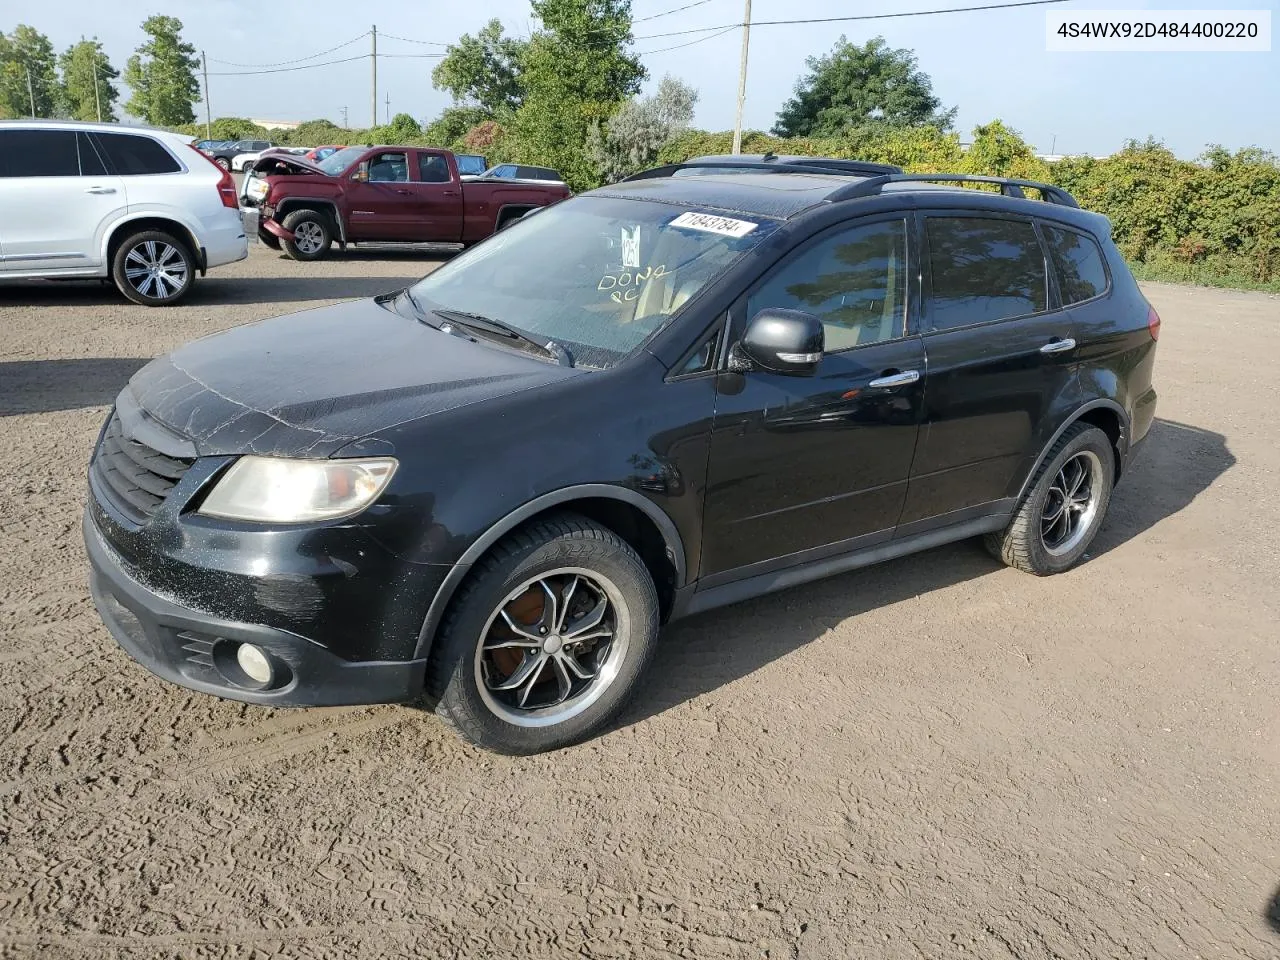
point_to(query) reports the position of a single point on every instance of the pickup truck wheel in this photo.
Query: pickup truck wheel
(153, 268)
(268, 239)
(312, 235)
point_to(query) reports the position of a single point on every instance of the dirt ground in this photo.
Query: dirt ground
(934, 757)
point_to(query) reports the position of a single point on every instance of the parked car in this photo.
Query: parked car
(224, 154)
(470, 164)
(380, 195)
(316, 154)
(520, 171)
(241, 161)
(207, 145)
(138, 207)
(650, 400)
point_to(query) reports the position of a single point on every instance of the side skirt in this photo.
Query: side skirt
(691, 600)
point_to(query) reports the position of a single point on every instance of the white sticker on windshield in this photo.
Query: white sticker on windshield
(726, 226)
(631, 246)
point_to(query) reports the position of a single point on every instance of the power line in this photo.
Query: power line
(664, 13)
(689, 43)
(308, 66)
(283, 63)
(868, 16)
(433, 43)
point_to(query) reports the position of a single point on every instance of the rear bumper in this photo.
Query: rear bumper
(226, 241)
(197, 650)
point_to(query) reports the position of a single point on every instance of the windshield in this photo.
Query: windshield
(598, 275)
(335, 163)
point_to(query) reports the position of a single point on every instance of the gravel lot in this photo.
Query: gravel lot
(933, 757)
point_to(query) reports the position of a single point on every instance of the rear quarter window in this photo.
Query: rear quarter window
(132, 155)
(1078, 260)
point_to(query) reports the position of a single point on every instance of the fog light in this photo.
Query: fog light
(254, 663)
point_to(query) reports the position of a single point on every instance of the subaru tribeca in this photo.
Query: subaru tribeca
(488, 491)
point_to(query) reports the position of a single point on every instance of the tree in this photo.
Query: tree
(861, 86)
(162, 75)
(86, 96)
(452, 125)
(483, 70)
(576, 72)
(27, 55)
(402, 129)
(632, 140)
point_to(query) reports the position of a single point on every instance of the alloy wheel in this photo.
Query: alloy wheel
(308, 237)
(156, 269)
(1071, 503)
(551, 648)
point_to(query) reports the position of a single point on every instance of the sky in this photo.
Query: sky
(990, 64)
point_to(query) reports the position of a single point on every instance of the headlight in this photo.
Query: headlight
(257, 188)
(275, 490)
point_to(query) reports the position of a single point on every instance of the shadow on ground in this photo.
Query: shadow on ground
(710, 650)
(1272, 912)
(44, 386)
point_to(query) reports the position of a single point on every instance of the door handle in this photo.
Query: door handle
(448, 193)
(895, 379)
(403, 193)
(1059, 346)
(101, 190)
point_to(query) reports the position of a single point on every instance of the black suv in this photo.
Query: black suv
(704, 384)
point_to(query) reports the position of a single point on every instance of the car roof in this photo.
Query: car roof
(785, 196)
(91, 127)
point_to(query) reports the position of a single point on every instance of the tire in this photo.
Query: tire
(268, 239)
(581, 564)
(223, 162)
(317, 234)
(153, 268)
(1080, 467)
(507, 219)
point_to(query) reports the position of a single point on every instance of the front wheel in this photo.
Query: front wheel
(1064, 509)
(153, 268)
(547, 640)
(312, 235)
(222, 162)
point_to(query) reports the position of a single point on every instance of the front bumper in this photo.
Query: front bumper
(196, 649)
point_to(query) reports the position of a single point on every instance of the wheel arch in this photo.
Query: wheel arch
(1106, 415)
(120, 231)
(637, 520)
(291, 204)
(511, 211)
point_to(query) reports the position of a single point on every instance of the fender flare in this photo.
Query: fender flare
(462, 566)
(289, 204)
(1076, 414)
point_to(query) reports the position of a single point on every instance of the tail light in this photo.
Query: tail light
(1153, 322)
(226, 185)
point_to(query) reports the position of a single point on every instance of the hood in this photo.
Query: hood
(310, 383)
(296, 163)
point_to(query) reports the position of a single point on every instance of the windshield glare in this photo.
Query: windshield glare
(598, 275)
(337, 162)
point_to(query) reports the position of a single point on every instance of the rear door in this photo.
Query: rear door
(435, 196)
(999, 350)
(57, 198)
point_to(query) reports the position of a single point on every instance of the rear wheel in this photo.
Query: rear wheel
(312, 235)
(223, 162)
(1064, 509)
(547, 640)
(153, 268)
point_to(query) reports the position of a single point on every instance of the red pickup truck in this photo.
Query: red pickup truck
(380, 195)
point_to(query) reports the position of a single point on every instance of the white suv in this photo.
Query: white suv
(141, 207)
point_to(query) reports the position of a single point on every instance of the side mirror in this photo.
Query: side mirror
(362, 172)
(781, 341)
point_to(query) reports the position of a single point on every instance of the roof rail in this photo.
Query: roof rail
(1010, 188)
(769, 163)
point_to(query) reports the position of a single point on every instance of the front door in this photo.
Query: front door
(57, 199)
(999, 351)
(382, 208)
(806, 467)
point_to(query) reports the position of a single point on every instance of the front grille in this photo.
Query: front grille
(133, 476)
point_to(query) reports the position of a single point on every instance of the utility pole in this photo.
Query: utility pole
(31, 94)
(388, 106)
(97, 98)
(374, 100)
(742, 78)
(344, 118)
(208, 123)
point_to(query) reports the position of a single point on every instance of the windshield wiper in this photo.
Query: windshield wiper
(474, 321)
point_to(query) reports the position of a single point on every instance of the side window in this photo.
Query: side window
(1076, 257)
(703, 357)
(855, 280)
(91, 164)
(131, 155)
(388, 168)
(983, 269)
(433, 168)
(38, 153)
